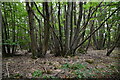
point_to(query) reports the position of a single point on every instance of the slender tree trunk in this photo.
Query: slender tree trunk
(65, 11)
(52, 34)
(3, 45)
(74, 12)
(60, 31)
(95, 40)
(118, 45)
(71, 25)
(101, 32)
(1, 36)
(84, 21)
(115, 44)
(67, 27)
(31, 25)
(13, 29)
(108, 36)
(40, 37)
(91, 30)
(76, 39)
(46, 27)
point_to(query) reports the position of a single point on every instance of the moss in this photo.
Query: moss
(90, 61)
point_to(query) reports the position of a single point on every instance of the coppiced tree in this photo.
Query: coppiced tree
(65, 28)
(30, 11)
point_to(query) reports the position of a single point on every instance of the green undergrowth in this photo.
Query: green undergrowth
(73, 66)
(78, 70)
(37, 73)
(82, 71)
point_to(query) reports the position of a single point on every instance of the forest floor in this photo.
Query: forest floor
(94, 64)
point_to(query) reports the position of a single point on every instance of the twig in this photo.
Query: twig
(57, 74)
(43, 68)
(36, 60)
(7, 70)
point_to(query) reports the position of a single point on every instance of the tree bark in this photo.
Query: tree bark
(71, 25)
(115, 44)
(31, 25)
(60, 32)
(1, 36)
(76, 39)
(67, 29)
(46, 28)
(91, 29)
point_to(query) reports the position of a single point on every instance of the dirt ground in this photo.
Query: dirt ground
(24, 66)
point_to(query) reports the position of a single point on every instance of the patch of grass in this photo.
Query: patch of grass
(37, 73)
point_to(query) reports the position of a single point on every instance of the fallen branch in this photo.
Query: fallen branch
(8, 74)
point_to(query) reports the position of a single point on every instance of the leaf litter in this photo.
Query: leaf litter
(97, 65)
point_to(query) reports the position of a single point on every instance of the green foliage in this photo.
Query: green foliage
(65, 66)
(86, 6)
(87, 73)
(80, 70)
(80, 74)
(10, 42)
(37, 73)
(77, 66)
(90, 4)
(74, 66)
(94, 18)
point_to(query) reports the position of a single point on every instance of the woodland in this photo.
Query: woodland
(60, 39)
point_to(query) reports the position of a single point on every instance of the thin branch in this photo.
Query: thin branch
(39, 11)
